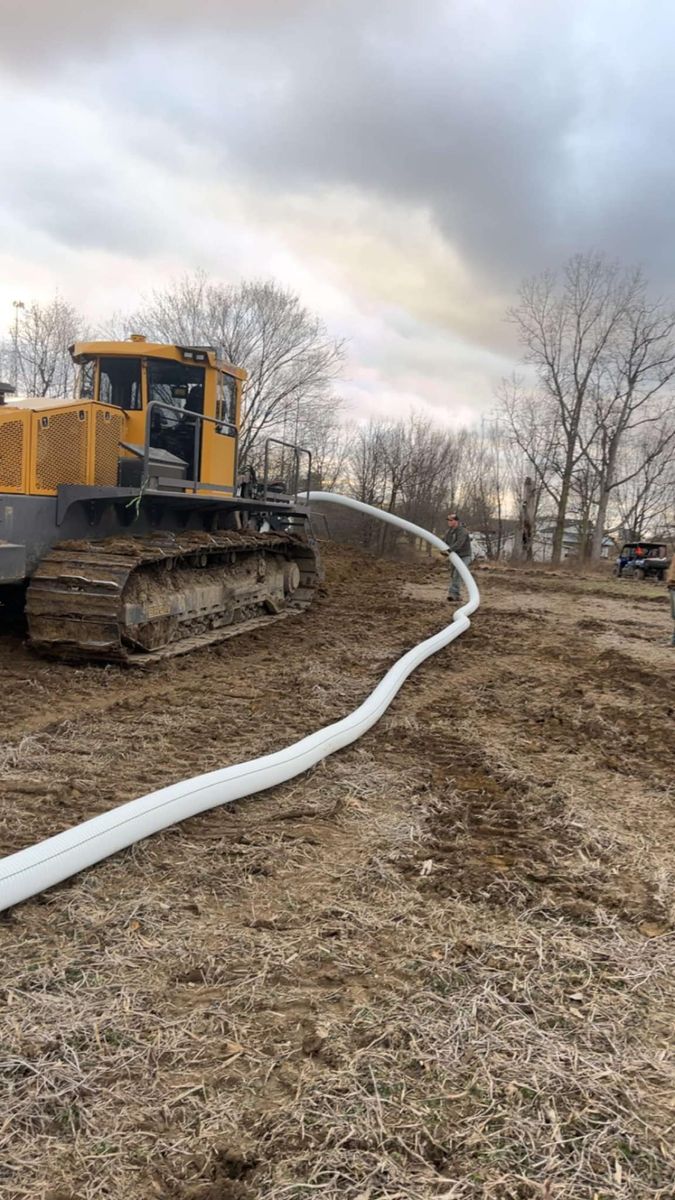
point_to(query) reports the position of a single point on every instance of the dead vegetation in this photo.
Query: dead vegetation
(439, 966)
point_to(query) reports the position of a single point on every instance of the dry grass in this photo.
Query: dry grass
(442, 965)
(206, 1046)
(244, 1036)
(582, 581)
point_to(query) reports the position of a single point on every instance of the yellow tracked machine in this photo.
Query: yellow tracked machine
(126, 526)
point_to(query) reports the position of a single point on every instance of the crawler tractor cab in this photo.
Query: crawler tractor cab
(181, 409)
(122, 512)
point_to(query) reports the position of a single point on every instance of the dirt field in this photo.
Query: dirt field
(441, 965)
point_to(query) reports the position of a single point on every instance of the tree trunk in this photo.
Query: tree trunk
(527, 520)
(603, 502)
(599, 529)
(583, 535)
(559, 533)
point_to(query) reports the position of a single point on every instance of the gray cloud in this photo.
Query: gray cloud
(529, 130)
(439, 113)
(46, 34)
(78, 211)
(520, 132)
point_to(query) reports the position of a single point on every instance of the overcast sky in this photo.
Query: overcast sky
(402, 164)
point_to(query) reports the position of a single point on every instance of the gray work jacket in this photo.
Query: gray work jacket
(459, 540)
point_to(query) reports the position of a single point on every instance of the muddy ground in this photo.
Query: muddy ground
(441, 965)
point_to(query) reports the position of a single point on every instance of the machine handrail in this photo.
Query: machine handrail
(297, 451)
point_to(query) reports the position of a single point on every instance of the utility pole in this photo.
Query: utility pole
(17, 305)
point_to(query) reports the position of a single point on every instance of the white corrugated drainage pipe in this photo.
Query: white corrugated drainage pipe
(39, 867)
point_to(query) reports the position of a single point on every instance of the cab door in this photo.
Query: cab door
(219, 441)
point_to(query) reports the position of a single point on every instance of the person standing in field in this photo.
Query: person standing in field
(670, 583)
(457, 539)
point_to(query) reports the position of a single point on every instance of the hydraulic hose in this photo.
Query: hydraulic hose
(49, 862)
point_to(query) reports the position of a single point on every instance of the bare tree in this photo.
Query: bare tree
(631, 397)
(367, 464)
(324, 432)
(409, 467)
(6, 360)
(645, 495)
(525, 548)
(532, 434)
(42, 337)
(431, 485)
(421, 467)
(367, 472)
(568, 331)
(290, 358)
(583, 505)
(485, 484)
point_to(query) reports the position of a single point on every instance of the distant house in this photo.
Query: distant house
(484, 542)
(542, 545)
(496, 542)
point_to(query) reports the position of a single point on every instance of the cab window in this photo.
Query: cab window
(226, 403)
(177, 385)
(87, 380)
(120, 383)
